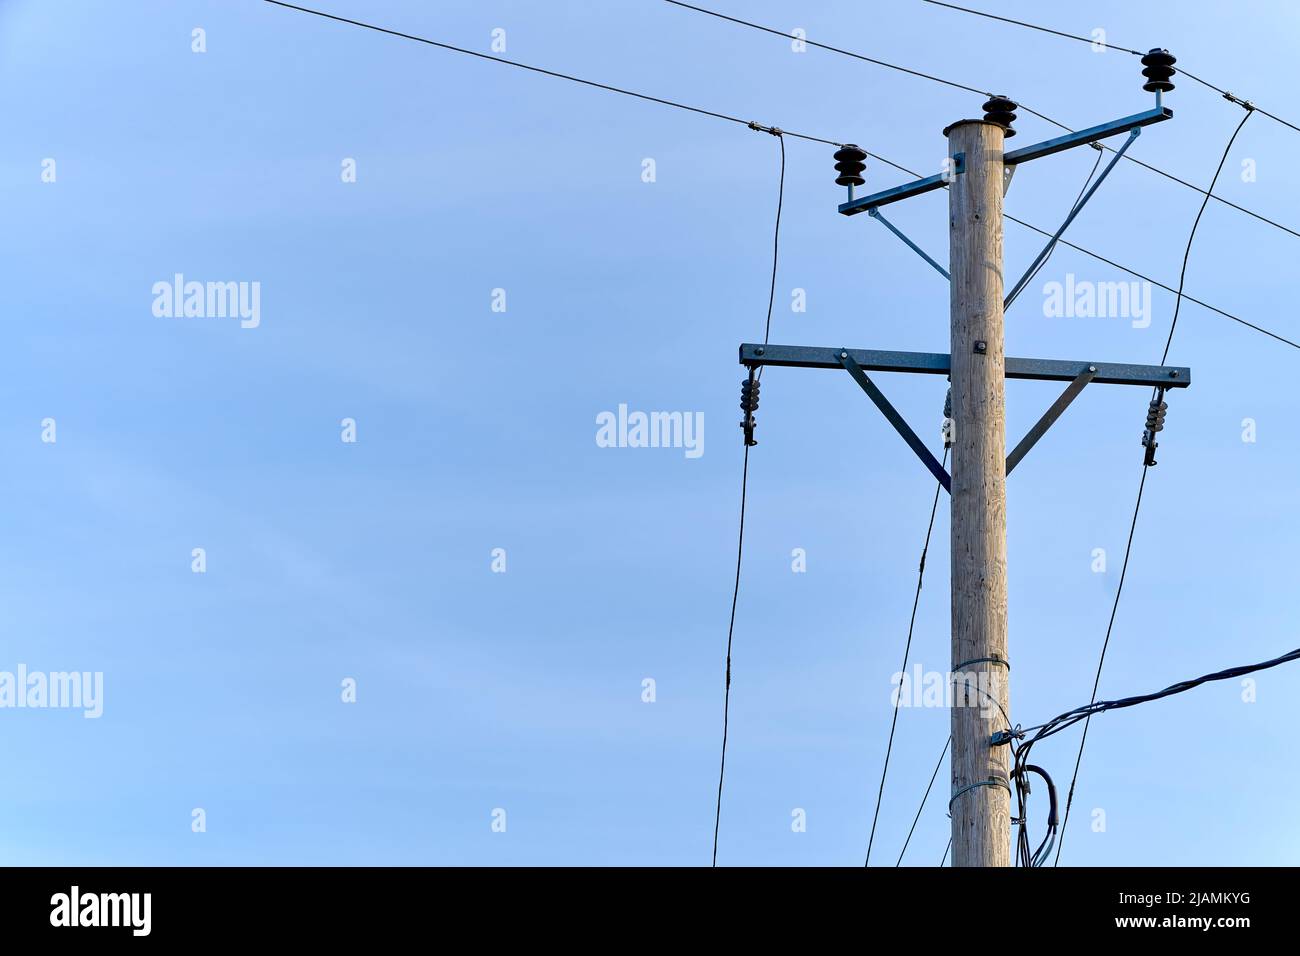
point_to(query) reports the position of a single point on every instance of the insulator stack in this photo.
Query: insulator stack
(1156, 416)
(749, 404)
(1155, 422)
(947, 420)
(1159, 70)
(850, 162)
(1001, 110)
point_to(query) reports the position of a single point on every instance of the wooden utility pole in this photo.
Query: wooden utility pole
(981, 804)
(976, 175)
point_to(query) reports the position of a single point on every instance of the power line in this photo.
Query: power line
(1077, 199)
(1123, 268)
(1101, 660)
(907, 650)
(749, 404)
(731, 629)
(1182, 274)
(1085, 713)
(1083, 740)
(1064, 720)
(553, 73)
(1111, 46)
(1156, 282)
(972, 89)
(1022, 23)
(767, 129)
(776, 244)
(924, 798)
(832, 49)
(1071, 717)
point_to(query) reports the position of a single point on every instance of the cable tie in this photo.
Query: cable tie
(990, 782)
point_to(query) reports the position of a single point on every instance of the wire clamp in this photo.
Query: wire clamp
(1006, 736)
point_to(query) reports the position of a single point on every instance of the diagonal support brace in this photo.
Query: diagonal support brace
(1078, 207)
(1050, 416)
(894, 418)
(874, 213)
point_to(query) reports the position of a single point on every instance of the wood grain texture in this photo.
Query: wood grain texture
(981, 829)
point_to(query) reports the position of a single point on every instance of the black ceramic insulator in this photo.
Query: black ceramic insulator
(1001, 110)
(850, 161)
(1159, 70)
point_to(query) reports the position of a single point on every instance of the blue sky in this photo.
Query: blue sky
(476, 430)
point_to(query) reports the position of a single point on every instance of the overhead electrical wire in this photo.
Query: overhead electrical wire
(1123, 49)
(1071, 717)
(1137, 507)
(1080, 713)
(943, 753)
(744, 485)
(1182, 274)
(1101, 660)
(827, 46)
(767, 129)
(973, 89)
(553, 73)
(731, 629)
(1123, 268)
(907, 650)
(1021, 751)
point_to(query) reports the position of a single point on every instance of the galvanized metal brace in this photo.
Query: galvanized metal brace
(1050, 416)
(895, 419)
(874, 213)
(1083, 201)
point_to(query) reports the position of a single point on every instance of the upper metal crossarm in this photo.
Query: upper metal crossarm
(1050, 416)
(957, 164)
(1049, 146)
(895, 419)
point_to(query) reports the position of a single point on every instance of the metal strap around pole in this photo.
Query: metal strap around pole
(991, 782)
